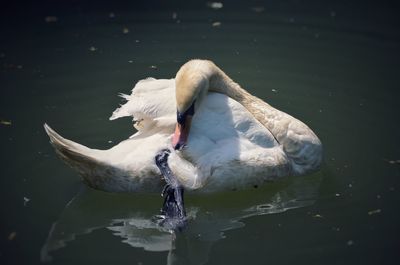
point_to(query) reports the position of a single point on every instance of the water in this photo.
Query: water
(332, 65)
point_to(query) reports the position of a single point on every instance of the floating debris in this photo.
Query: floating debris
(125, 30)
(337, 194)
(4, 122)
(216, 24)
(137, 41)
(12, 66)
(110, 142)
(393, 162)
(130, 61)
(51, 19)
(350, 242)
(318, 216)
(92, 49)
(12, 236)
(111, 15)
(153, 67)
(350, 185)
(258, 9)
(274, 90)
(26, 200)
(215, 5)
(372, 212)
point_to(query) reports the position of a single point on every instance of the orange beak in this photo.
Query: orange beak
(181, 133)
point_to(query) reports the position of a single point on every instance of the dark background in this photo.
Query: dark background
(48, 74)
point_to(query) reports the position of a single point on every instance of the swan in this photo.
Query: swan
(219, 137)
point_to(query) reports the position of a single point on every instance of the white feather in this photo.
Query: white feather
(228, 148)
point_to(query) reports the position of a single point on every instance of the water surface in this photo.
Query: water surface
(334, 66)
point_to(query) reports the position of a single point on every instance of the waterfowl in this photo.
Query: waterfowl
(218, 137)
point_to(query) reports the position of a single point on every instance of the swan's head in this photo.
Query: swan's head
(191, 86)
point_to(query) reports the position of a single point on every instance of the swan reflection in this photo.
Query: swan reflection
(131, 217)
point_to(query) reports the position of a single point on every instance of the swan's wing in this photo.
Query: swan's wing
(151, 101)
(220, 119)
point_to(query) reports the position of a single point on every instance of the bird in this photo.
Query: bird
(212, 134)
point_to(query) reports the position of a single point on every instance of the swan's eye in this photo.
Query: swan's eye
(181, 117)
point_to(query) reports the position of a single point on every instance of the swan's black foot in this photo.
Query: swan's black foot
(173, 214)
(162, 157)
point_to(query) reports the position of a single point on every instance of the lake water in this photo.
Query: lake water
(334, 66)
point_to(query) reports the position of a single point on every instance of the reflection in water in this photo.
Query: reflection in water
(131, 217)
(142, 233)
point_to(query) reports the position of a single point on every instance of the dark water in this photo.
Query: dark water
(333, 65)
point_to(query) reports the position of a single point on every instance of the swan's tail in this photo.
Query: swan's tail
(68, 149)
(79, 157)
(97, 169)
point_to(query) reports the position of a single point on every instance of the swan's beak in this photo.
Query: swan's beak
(181, 134)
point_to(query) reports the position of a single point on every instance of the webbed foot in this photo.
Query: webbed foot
(173, 214)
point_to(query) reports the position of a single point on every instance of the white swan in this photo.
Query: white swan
(235, 141)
